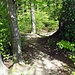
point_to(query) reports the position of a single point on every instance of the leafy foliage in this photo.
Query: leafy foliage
(73, 73)
(4, 30)
(67, 19)
(46, 16)
(67, 46)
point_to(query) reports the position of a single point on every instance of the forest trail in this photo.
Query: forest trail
(43, 58)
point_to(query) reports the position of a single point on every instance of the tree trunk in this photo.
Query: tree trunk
(16, 42)
(3, 68)
(32, 17)
(67, 20)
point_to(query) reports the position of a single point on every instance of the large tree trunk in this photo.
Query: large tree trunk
(67, 20)
(3, 68)
(32, 17)
(16, 42)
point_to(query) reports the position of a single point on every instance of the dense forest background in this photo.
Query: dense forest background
(47, 15)
(36, 16)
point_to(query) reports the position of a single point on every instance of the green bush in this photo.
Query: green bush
(4, 30)
(73, 73)
(67, 46)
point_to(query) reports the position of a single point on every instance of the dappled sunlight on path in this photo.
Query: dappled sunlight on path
(41, 59)
(45, 61)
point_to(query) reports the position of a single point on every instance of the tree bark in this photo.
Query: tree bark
(67, 20)
(16, 42)
(32, 17)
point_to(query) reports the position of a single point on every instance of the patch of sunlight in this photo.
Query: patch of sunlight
(57, 63)
(30, 35)
(17, 69)
(47, 33)
(1, 23)
(49, 64)
(31, 70)
(3, 72)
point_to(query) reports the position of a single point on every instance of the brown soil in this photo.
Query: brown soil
(37, 49)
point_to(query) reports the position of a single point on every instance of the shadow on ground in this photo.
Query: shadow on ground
(44, 51)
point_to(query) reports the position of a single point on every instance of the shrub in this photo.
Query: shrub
(66, 45)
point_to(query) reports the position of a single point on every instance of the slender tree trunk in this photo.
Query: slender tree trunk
(3, 68)
(16, 42)
(32, 17)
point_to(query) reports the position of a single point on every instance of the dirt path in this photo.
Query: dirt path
(46, 60)
(43, 59)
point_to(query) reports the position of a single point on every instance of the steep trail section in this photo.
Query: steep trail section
(45, 60)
